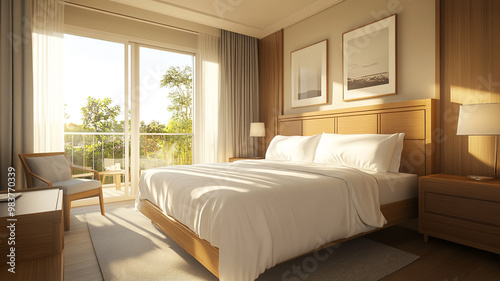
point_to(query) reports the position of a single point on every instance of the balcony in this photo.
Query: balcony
(105, 152)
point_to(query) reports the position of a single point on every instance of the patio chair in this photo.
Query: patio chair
(54, 169)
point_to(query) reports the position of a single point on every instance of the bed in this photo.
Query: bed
(241, 218)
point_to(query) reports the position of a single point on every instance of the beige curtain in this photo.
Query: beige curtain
(16, 87)
(208, 125)
(239, 91)
(48, 47)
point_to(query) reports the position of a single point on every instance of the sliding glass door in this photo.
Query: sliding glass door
(94, 95)
(166, 99)
(128, 108)
(162, 102)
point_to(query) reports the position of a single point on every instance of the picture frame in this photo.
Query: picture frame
(369, 58)
(309, 75)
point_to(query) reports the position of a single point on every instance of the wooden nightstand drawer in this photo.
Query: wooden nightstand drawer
(464, 232)
(38, 236)
(38, 252)
(463, 208)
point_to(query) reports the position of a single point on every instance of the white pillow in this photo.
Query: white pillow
(362, 151)
(293, 148)
(396, 157)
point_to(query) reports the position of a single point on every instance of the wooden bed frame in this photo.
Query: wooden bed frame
(414, 118)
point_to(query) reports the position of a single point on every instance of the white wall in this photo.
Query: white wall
(76, 17)
(163, 29)
(416, 47)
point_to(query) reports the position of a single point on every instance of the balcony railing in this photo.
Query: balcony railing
(103, 151)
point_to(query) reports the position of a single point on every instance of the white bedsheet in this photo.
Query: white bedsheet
(260, 213)
(393, 187)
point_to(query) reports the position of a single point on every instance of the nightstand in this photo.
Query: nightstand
(232, 159)
(460, 210)
(37, 230)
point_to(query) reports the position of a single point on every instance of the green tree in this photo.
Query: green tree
(72, 127)
(150, 145)
(88, 150)
(66, 115)
(99, 115)
(179, 80)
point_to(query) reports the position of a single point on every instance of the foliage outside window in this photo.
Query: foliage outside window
(99, 115)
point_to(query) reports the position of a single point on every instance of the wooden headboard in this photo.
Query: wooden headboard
(414, 118)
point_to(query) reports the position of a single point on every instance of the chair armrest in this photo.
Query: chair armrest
(49, 183)
(81, 168)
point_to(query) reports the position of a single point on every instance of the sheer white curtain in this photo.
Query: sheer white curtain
(48, 33)
(208, 126)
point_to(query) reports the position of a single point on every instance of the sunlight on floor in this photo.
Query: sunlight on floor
(109, 190)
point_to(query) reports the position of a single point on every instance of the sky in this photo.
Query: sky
(96, 68)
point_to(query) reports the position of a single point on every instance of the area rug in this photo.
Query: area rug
(129, 247)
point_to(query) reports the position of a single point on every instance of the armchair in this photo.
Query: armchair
(54, 169)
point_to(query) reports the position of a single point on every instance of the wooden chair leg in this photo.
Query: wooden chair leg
(66, 212)
(101, 201)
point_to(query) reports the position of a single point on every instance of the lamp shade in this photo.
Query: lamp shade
(479, 119)
(257, 129)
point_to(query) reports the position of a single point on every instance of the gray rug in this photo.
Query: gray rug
(129, 247)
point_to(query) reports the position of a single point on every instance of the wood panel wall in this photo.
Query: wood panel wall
(470, 73)
(270, 85)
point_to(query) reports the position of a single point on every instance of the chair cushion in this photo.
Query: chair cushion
(77, 185)
(53, 168)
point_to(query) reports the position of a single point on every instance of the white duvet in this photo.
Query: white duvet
(260, 213)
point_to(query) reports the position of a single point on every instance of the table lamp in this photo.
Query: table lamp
(480, 120)
(257, 129)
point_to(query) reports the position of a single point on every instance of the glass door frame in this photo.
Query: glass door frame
(136, 104)
(131, 97)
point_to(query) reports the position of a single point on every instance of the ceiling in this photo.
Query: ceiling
(257, 18)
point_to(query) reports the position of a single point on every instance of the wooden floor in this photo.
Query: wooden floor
(439, 260)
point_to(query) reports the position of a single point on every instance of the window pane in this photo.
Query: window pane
(94, 100)
(166, 89)
(93, 68)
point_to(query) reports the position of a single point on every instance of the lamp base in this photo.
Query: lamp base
(480, 178)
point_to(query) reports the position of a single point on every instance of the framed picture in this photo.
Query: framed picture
(309, 75)
(369, 60)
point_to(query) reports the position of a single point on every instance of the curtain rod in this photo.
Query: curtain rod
(129, 17)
